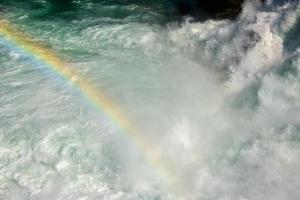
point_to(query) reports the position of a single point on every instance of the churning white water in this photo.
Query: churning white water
(220, 99)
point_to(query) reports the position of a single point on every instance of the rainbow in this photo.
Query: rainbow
(101, 101)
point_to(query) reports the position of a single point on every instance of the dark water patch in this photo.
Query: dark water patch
(170, 9)
(292, 40)
(250, 39)
(288, 68)
(205, 9)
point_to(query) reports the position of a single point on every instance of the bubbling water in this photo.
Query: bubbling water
(219, 99)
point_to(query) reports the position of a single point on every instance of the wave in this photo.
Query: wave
(219, 98)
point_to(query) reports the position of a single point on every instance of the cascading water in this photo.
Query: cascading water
(220, 100)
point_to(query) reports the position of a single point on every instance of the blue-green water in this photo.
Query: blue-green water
(221, 99)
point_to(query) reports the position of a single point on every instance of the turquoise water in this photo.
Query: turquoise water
(220, 99)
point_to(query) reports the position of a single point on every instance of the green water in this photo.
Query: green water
(220, 99)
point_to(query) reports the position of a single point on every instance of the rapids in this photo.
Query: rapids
(220, 101)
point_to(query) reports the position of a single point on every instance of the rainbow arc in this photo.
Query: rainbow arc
(101, 101)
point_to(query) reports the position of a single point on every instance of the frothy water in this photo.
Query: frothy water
(219, 99)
